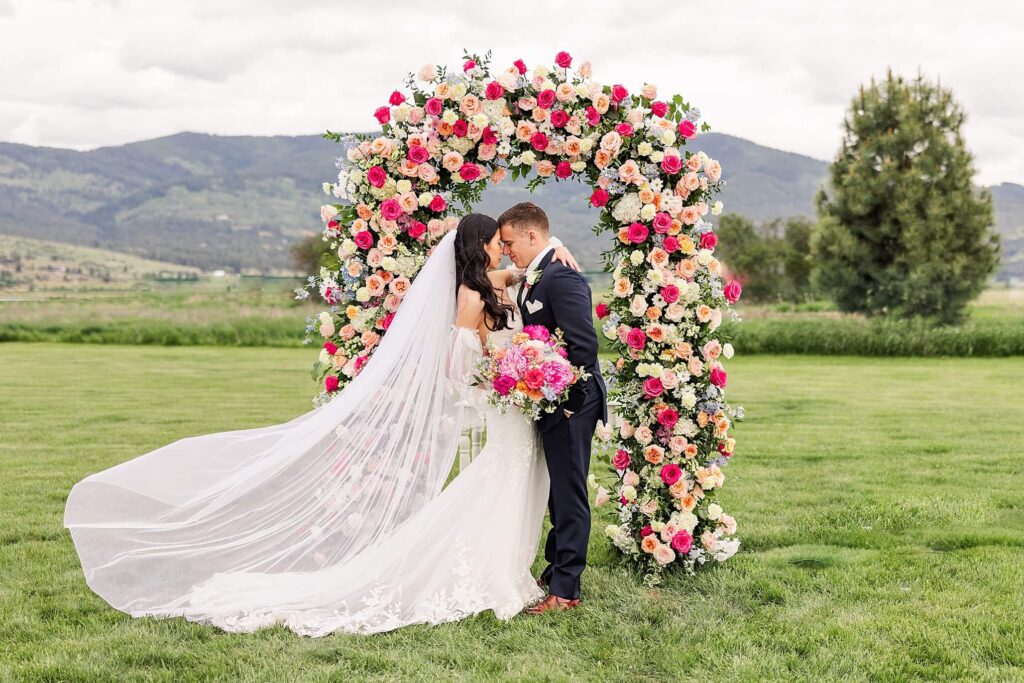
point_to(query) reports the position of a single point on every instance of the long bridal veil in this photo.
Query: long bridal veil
(300, 496)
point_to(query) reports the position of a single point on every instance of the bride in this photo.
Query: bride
(336, 521)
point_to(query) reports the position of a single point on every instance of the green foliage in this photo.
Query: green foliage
(771, 259)
(902, 229)
(873, 537)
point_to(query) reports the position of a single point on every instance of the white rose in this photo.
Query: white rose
(347, 248)
(326, 187)
(401, 112)
(727, 351)
(362, 295)
(540, 70)
(323, 356)
(427, 73)
(668, 137)
(459, 90)
(450, 117)
(325, 318)
(647, 213)
(578, 166)
(716, 208)
(657, 157)
(529, 158)
(425, 198)
(688, 521)
(714, 511)
(704, 257)
(636, 257)
(689, 399)
(645, 148)
(655, 276)
(403, 186)
(480, 120)
(389, 264)
(586, 144)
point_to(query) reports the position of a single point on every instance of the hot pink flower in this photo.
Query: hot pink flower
(646, 531)
(682, 542)
(488, 136)
(563, 59)
(460, 128)
(599, 198)
(503, 384)
(520, 65)
(539, 141)
(593, 116)
(331, 383)
(534, 378)
(636, 339)
(494, 91)
(330, 347)
(621, 460)
(624, 129)
(670, 293)
(417, 229)
(662, 222)
(671, 244)
(668, 417)
(671, 473)
(637, 233)
(382, 114)
(417, 154)
(396, 98)
(385, 322)
(546, 98)
(563, 170)
(433, 106)
(601, 310)
(659, 108)
(732, 291)
(390, 209)
(671, 164)
(468, 64)
(708, 240)
(469, 172)
(364, 239)
(719, 376)
(688, 130)
(653, 387)
(559, 118)
(377, 176)
(619, 93)
(438, 204)
(538, 332)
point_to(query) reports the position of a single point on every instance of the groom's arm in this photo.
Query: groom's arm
(571, 307)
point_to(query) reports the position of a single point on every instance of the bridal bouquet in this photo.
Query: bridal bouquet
(530, 372)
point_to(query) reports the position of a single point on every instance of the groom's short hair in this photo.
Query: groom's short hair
(523, 216)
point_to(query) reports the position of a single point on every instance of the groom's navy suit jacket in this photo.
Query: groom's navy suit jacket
(565, 303)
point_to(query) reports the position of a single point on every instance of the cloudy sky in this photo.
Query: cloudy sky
(86, 73)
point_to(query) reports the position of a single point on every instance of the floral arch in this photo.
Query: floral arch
(448, 136)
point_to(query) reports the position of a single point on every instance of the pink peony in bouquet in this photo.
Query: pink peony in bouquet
(530, 371)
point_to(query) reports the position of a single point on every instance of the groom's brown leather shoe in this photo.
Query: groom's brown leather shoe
(552, 603)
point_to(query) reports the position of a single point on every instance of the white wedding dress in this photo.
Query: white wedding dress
(337, 521)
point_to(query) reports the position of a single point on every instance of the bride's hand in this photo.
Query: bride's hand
(564, 256)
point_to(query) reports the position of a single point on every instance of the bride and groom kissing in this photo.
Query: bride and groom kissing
(340, 520)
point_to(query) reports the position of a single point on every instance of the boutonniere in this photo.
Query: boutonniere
(533, 277)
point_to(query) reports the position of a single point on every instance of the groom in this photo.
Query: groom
(557, 296)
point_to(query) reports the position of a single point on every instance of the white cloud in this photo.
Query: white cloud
(94, 72)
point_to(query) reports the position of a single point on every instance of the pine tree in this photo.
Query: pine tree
(902, 229)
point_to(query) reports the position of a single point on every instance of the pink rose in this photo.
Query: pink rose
(670, 293)
(546, 98)
(682, 542)
(433, 106)
(488, 136)
(559, 118)
(636, 339)
(494, 91)
(668, 418)
(662, 222)
(671, 473)
(364, 239)
(659, 108)
(624, 129)
(732, 291)
(599, 198)
(383, 115)
(688, 130)
(708, 240)
(460, 128)
(469, 172)
(601, 310)
(646, 531)
(396, 98)
(539, 141)
(390, 209)
(619, 93)
(377, 176)
(653, 387)
(671, 164)
(718, 376)
(637, 233)
(468, 65)
(520, 65)
(417, 229)
(330, 348)
(438, 204)
(671, 244)
(503, 384)
(385, 322)
(563, 170)
(563, 59)
(593, 116)
(534, 378)
(537, 332)
(331, 383)
(621, 460)
(417, 154)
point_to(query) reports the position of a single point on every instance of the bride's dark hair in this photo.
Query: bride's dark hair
(471, 262)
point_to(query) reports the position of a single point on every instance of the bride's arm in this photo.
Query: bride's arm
(512, 275)
(562, 255)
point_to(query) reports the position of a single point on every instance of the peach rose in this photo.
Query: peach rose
(498, 174)
(470, 105)
(649, 544)
(629, 172)
(545, 168)
(602, 158)
(654, 454)
(452, 161)
(703, 313)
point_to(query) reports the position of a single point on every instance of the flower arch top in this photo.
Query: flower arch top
(449, 135)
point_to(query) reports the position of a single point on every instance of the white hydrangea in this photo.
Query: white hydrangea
(648, 211)
(627, 209)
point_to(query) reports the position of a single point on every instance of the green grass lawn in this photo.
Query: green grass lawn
(880, 503)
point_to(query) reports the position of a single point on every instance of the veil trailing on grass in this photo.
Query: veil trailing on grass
(294, 497)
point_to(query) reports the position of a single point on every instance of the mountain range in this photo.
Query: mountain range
(238, 202)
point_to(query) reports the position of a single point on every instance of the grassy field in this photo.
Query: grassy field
(880, 503)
